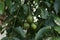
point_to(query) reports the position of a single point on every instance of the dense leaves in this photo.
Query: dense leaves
(57, 20)
(41, 32)
(57, 28)
(30, 19)
(20, 31)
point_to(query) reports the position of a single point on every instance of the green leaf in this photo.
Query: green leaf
(57, 5)
(40, 33)
(1, 7)
(48, 4)
(49, 22)
(57, 28)
(20, 31)
(12, 9)
(57, 20)
(44, 14)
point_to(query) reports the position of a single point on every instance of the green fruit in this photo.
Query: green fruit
(33, 26)
(26, 26)
(30, 19)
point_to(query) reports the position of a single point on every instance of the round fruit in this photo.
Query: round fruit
(26, 25)
(30, 19)
(33, 26)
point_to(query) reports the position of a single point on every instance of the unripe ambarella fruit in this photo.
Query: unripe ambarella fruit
(30, 19)
(26, 26)
(33, 26)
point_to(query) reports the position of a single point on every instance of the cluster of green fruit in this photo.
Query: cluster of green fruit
(30, 23)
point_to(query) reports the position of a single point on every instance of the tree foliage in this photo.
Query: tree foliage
(30, 19)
